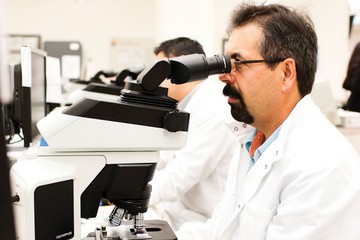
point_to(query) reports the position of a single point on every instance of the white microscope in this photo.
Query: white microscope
(105, 149)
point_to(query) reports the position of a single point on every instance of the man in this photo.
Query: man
(352, 81)
(303, 182)
(189, 182)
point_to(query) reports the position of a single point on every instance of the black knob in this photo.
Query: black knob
(174, 121)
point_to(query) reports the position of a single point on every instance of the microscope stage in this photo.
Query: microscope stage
(156, 229)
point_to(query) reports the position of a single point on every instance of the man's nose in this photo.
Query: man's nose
(225, 77)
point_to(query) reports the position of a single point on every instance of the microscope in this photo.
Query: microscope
(105, 149)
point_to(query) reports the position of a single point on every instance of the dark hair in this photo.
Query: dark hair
(286, 34)
(179, 46)
(354, 65)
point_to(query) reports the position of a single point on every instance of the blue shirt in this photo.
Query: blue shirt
(262, 148)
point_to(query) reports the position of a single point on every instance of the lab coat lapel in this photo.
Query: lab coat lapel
(256, 175)
(242, 167)
(251, 184)
(240, 162)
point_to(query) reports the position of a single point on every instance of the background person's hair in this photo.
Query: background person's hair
(354, 64)
(179, 46)
(286, 34)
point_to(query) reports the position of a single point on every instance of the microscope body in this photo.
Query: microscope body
(91, 155)
(52, 185)
(104, 148)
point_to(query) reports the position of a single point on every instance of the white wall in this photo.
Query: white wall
(208, 21)
(96, 22)
(5, 84)
(203, 20)
(188, 18)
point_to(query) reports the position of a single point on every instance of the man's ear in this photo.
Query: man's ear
(289, 68)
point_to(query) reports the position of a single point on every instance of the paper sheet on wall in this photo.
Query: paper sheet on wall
(53, 80)
(26, 67)
(71, 66)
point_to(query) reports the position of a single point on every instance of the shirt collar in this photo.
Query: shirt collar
(264, 146)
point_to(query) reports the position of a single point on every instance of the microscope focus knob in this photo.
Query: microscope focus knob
(175, 121)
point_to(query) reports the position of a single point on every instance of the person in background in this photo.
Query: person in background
(189, 182)
(352, 81)
(296, 176)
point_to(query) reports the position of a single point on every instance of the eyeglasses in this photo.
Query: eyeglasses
(236, 64)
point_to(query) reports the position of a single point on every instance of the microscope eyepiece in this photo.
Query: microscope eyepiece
(183, 69)
(194, 67)
(219, 63)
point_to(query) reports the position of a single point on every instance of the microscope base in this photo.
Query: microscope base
(156, 229)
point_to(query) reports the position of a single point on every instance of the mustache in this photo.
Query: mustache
(239, 110)
(229, 91)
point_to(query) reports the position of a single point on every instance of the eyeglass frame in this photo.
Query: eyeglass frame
(238, 62)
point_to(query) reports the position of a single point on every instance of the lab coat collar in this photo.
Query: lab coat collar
(239, 129)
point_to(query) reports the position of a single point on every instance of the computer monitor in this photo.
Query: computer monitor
(29, 92)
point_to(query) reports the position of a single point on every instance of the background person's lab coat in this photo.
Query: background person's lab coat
(193, 179)
(296, 190)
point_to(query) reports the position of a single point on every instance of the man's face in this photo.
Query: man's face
(250, 87)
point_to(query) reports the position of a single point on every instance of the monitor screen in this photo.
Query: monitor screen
(34, 94)
(29, 104)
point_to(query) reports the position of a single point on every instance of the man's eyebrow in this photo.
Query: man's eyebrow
(235, 55)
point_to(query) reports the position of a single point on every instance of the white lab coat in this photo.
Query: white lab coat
(298, 189)
(194, 178)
